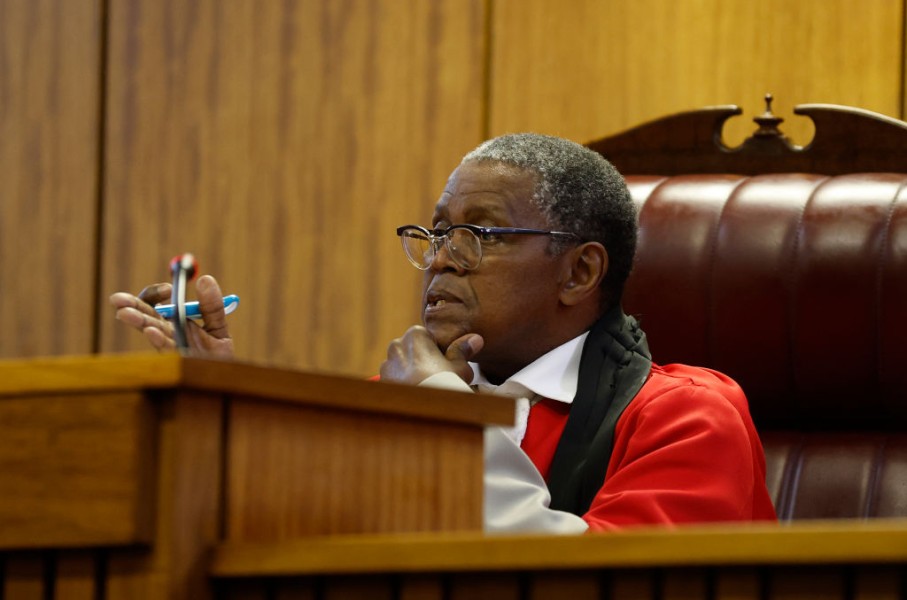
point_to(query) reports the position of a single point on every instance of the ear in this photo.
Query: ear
(585, 267)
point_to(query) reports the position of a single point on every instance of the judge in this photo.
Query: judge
(525, 260)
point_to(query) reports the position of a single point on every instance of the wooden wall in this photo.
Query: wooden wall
(586, 68)
(50, 65)
(282, 142)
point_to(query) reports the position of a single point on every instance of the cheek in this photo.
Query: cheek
(513, 297)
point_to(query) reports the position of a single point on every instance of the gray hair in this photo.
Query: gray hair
(578, 191)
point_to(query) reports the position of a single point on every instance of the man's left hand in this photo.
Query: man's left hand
(416, 356)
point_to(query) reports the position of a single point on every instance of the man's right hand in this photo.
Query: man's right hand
(209, 341)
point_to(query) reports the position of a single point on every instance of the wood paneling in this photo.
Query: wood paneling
(187, 501)
(829, 582)
(903, 73)
(121, 486)
(75, 477)
(835, 541)
(587, 68)
(23, 577)
(75, 577)
(353, 474)
(49, 74)
(282, 143)
(109, 374)
(88, 373)
(834, 559)
(62, 575)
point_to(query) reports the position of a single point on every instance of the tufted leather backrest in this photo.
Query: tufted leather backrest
(796, 286)
(786, 268)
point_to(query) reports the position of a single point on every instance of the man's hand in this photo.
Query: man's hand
(211, 341)
(416, 356)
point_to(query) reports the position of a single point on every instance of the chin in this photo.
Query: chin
(444, 335)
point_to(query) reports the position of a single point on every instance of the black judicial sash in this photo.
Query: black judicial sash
(613, 367)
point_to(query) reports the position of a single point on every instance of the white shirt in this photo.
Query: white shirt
(516, 497)
(553, 375)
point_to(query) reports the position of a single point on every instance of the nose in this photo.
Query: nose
(441, 260)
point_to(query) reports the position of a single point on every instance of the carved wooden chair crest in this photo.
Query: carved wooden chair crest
(847, 140)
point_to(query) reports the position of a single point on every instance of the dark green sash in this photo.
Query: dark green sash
(614, 366)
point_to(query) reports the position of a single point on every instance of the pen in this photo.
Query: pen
(193, 311)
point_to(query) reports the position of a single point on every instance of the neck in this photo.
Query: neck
(571, 322)
(497, 372)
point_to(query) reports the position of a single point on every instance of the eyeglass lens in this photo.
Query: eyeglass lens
(462, 245)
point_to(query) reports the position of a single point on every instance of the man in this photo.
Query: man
(525, 262)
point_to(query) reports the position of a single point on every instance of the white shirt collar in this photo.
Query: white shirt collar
(553, 375)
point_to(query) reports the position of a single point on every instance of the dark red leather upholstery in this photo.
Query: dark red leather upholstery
(796, 286)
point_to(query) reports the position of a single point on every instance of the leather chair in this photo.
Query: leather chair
(786, 268)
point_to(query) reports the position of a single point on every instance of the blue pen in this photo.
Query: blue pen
(192, 310)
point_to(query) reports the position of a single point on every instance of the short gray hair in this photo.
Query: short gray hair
(577, 191)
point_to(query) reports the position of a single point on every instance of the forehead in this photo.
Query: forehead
(488, 187)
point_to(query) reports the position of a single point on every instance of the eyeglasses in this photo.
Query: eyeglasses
(463, 242)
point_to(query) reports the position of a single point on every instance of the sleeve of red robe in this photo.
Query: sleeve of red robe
(684, 451)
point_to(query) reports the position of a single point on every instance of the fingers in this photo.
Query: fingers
(139, 315)
(211, 303)
(156, 293)
(138, 311)
(416, 356)
(412, 357)
(125, 300)
(208, 346)
(212, 340)
(158, 339)
(465, 347)
(461, 350)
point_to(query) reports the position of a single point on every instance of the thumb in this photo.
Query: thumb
(212, 306)
(464, 347)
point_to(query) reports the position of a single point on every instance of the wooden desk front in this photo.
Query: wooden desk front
(118, 474)
(821, 560)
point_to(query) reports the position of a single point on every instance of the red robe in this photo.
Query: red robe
(685, 451)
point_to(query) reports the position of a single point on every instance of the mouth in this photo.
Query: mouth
(438, 300)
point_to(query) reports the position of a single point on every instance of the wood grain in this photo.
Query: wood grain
(80, 374)
(586, 69)
(846, 141)
(483, 586)
(24, 577)
(282, 143)
(551, 585)
(76, 473)
(818, 542)
(49, 74)
(298, 471)
(187, 499)
(143, 371)
(345, 393)
(157, 458)
(840, 559)
(75, 576)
